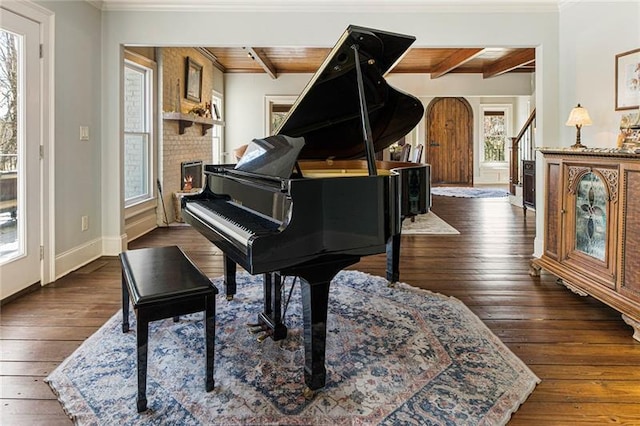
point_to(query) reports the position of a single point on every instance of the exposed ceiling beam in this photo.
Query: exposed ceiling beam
(263, 60)
(454, 60)
(516, 59)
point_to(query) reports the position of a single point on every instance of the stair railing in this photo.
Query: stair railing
(522, 148)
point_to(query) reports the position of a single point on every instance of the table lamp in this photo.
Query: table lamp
(579, 117)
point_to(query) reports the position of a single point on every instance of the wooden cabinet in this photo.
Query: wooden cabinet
(592, 226)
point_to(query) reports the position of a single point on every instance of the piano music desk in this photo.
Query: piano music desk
(163, 283)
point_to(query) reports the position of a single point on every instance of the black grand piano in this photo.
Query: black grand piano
(311, 200)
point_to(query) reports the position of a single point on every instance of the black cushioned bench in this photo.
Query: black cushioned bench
(163, 283)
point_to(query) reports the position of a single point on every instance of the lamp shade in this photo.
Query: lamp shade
(579, 117)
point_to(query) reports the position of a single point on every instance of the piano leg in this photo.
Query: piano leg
(315, 301)
(271, 318)
(314, 284)
(229, 277)
(393, 259)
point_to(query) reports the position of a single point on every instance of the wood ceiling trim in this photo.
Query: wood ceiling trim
(512, 61)
(457, 58)
(214, 60)
(261, 58)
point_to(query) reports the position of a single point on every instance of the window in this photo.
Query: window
(137, 133)
(216, 131)
(276, 110)
(494, 130)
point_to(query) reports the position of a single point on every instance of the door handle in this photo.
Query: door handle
(432, 143)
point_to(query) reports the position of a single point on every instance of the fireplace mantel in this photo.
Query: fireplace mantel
(187, 120)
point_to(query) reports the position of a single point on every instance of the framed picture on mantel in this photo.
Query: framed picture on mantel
(628, 80)
(193, 80)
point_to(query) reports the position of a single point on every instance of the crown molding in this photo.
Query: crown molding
(375, 6)
(98, 4)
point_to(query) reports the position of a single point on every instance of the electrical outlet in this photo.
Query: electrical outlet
(85, 223)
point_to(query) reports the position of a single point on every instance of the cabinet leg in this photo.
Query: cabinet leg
(534, 270)
(634, 324)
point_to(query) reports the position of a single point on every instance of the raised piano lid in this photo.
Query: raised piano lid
(327, 113)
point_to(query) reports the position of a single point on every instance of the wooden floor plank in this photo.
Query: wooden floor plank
(576, 414)
(25, 387)
(52, 332)
(37, 350)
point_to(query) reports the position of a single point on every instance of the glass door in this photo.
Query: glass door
(19, 153)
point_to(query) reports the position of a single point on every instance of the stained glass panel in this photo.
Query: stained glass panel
(591, 216)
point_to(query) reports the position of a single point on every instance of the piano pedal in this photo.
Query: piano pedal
(257, 328)
(391, 284)
(229, 297)
(261, 338)
(308, 393)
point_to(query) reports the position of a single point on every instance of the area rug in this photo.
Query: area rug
(394, 356)
(465, 192)
(427, 224)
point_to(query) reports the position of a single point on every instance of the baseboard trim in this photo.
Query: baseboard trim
(77, 257)
(138, 228)
(113, 246)
(20, 293)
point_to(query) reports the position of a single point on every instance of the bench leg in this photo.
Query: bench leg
(143, 338)
(210, 337)
(125, 305)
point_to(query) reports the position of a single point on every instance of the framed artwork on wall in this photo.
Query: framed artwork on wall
(193, 80)
(628, 80)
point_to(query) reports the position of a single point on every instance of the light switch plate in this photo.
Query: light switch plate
(84, 133)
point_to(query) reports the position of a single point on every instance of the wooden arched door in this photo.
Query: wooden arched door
(449, 141)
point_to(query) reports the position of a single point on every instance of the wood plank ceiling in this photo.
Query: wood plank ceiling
(490, 61)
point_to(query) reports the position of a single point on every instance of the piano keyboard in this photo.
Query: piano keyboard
(236, 221)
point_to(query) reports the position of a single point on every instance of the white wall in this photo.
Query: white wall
(593, 33)
(244, 103)
(78, 102)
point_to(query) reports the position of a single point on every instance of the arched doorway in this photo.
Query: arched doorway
(449, 141)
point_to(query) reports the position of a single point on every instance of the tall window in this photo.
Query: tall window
(11, 81)
(495, 129)
(216, 131)
(137, 133)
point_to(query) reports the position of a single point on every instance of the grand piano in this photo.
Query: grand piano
(311, 199)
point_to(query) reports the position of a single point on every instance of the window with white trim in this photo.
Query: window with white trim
(216, 132)
(494, 130)
(137, 133)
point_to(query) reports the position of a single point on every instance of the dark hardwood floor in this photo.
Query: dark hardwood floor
(581, 349)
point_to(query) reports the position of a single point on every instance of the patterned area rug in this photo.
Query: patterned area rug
(464, 192)
(427, 224)
(394, 356)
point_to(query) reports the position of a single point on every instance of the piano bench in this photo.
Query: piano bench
(163, 283)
